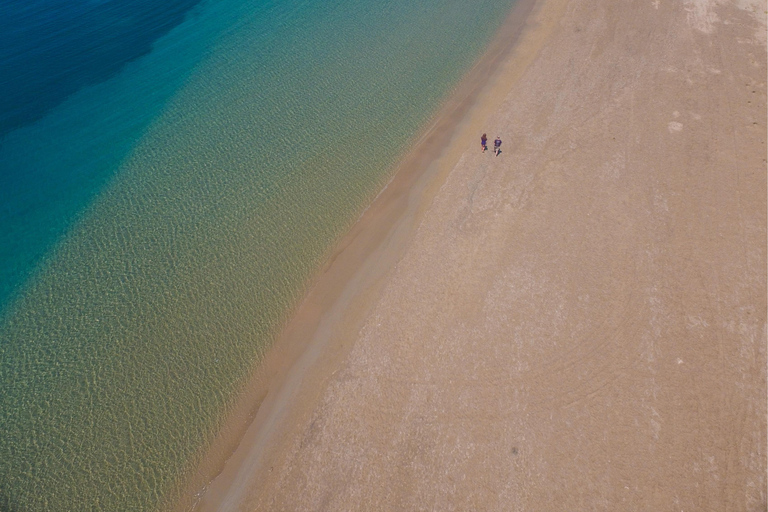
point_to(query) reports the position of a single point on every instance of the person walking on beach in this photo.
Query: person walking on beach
(497, 145)
(484, 142)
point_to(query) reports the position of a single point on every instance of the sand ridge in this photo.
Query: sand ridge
(578, 323)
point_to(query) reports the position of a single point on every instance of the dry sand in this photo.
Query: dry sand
(576, 324)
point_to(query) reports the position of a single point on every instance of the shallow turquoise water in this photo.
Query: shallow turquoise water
(122, 351)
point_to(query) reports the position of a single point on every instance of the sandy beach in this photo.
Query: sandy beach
(578, 323)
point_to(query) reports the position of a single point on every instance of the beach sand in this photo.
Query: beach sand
(576, 324)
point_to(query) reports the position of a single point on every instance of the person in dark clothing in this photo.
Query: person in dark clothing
(497, 145)
(484, 142)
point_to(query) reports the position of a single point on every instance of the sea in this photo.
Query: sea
(172, 174)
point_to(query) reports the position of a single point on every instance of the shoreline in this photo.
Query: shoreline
(543, 328)
(358, 265)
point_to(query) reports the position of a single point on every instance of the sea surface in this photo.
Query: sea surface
(171, 175)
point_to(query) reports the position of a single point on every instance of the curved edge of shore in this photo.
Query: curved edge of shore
(319, 334)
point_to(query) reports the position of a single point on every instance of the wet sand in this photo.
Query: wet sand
(578, 323)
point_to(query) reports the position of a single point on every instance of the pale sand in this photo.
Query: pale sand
(577, 324)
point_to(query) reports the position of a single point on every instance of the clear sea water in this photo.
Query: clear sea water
(171, 174)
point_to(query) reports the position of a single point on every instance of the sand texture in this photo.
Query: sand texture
(576, 324)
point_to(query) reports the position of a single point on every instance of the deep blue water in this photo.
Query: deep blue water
(56, 157)
(50, 49)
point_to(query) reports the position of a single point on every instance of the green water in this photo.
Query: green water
(122, 355)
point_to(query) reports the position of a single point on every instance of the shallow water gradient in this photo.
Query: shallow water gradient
(122, 352)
